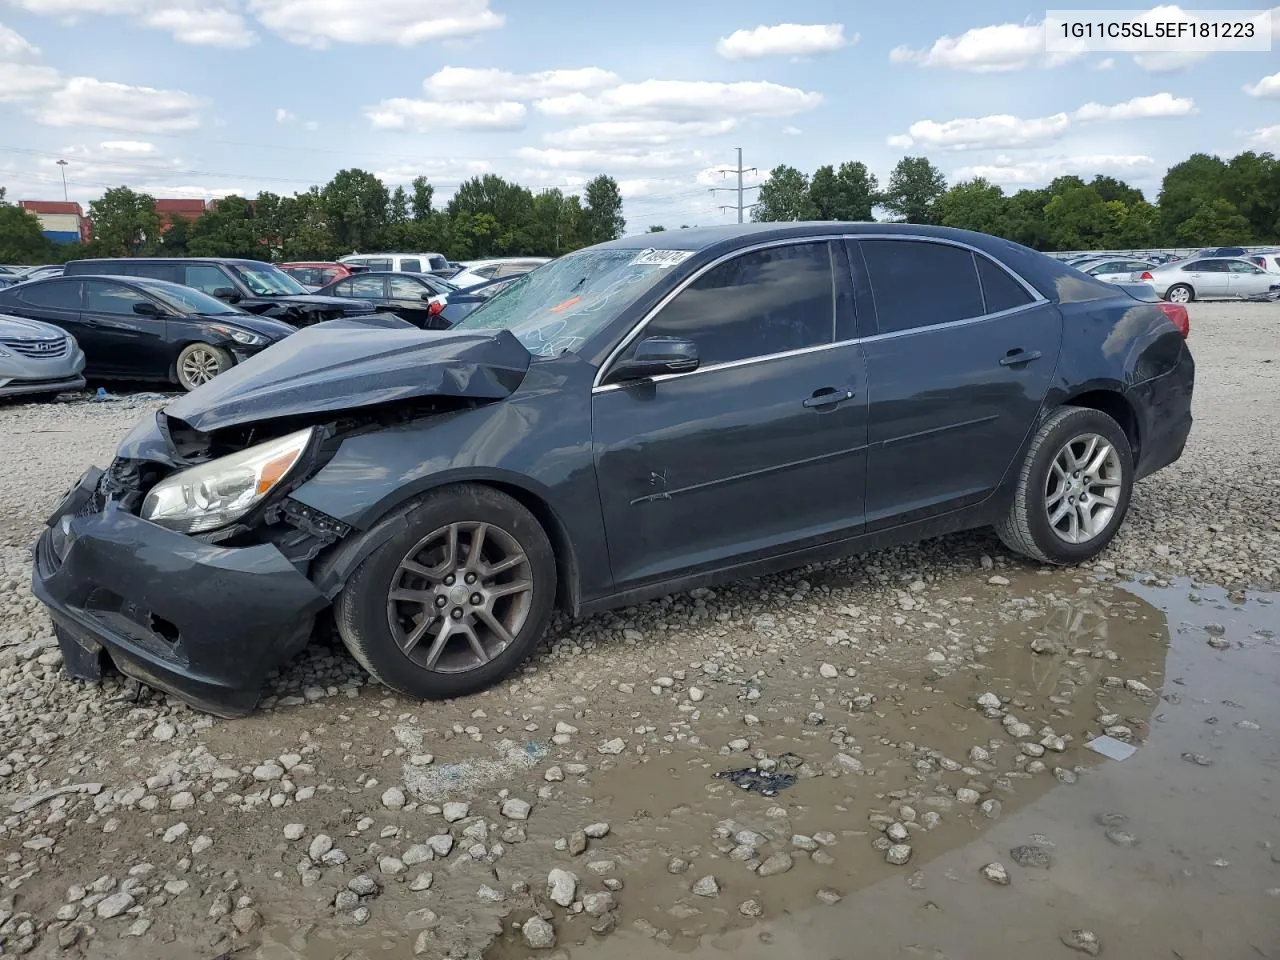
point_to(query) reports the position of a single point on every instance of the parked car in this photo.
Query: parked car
(1222, 252)
(622, 423)
(315, 275)
(37, 359)
(252, 285)
(1117, 271)
(478, 271)
(1211, 278)
(41, 272)
(416, 297)
(398, 262)
(1268, 260)
(460, 303)
(140, 329)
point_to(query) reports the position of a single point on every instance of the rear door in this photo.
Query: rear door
(126, 343)
(759, 450)
(57, 301)
(1208, 278)
(957, 368)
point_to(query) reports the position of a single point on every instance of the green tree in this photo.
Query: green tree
(356, 207)
(398, 208)
(1140, 226)
(510, 207)
(915, 186)
(1251, 183)
(1215, 223)
(1079, 219)
(21, 240)
(784, 196)
(1109, 188)
(557, 223)
(173, 242)
(602, 217)
(228, 229)
(420, 204)
(1024, 219)
(125, 223)
(310, 237)
(1186, 187)
(973, 205)
(847, 194)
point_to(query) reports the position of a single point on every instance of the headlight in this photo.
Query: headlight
(240, 336)
(214, 494)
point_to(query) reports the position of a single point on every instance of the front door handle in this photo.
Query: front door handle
(1018, 356)
(827, 397)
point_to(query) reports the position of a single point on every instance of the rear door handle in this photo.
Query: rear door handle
(827, 397)
(1018, 356)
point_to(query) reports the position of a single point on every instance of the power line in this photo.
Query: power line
(739, 170)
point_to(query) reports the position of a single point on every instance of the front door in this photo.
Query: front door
(1246, 280)
(126, 343)
(957, 370)
(762, 448)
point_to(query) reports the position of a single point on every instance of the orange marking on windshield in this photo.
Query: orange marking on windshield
(562, 307)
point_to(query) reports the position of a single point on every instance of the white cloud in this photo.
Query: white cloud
(981, 133)
(312, 125)
(84, 101)
(1267, 138)
(1009, 172)
(216, 23)
(133, 148)
(284, 116)
(995, 49)
(135, 162)
(654, 132)
(784, 39)
(424, 116)
(1266, 87)
(1108, 63)
(684, 100)
(1140, 108)
(15, 48)
(791, 131)
(468, 83)
(196, 192)
(433, 170)
(405, 23)
(21, 74)
(610, 159)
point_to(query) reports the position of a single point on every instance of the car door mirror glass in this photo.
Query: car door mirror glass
(227, 294)
(656, 356)
(145, 308)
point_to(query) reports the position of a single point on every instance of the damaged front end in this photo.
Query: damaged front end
(187, 561)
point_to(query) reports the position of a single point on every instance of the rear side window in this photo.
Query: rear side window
(408, 265)
(999, 290)
(366, 287)
(920, 284)
(53, 295)
(383, 263)
(206, 278)
(156, 271)
(761, 303)
(407, 289)
(438, 263)
(105, 297)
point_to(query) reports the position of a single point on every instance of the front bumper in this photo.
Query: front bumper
(203, 622)
(18, 388)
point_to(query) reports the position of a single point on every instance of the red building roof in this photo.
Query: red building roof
(189, 209)
(51, 206)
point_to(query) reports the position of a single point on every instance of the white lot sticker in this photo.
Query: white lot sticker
(661, 258)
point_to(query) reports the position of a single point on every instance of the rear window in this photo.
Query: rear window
(920, 284)
(438, 263)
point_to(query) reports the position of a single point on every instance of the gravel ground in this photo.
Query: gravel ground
(919, 696)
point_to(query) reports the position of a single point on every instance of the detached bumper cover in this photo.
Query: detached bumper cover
(203, 622)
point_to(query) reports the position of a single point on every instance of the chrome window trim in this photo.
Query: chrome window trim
(596, 387)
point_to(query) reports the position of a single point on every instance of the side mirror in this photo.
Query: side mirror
(147, 309)
(427, 294)
(655, 356)
(227, 294)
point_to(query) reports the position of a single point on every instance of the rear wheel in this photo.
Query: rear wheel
(1179, 293)
(198, 363)
(1073, 488)
(455, 599)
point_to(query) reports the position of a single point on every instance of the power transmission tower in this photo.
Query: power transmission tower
(739, 170)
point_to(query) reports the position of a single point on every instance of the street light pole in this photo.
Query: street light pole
(63, 165)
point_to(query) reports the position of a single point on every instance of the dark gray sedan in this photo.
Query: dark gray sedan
(623, 423)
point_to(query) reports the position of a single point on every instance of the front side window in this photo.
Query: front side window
(920, 284)
(52, 294)
(112, 298)
(1207, 266)
(207, 278)
(761, 303)
(408, 265)
(1239, 266)
(366, 286)
(407, 289)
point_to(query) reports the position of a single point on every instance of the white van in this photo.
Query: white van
(399, 262)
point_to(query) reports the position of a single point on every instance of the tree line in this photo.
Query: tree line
(1203, 201)
(353, 212)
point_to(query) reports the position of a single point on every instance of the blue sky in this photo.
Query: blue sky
(207, 97)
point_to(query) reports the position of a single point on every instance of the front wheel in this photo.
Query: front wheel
(1179, 293)
(455, 599)
(1073, 489)
(198, 363)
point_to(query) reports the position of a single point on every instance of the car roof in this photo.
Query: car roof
(232, 260)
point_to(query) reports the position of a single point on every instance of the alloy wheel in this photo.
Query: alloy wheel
(1082, 490)
(460, 597)
(199, 367)
(1179, 295)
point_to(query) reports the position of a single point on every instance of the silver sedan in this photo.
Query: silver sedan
(38, 358)
(1208, 278)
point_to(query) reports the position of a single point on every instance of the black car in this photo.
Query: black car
(416, 297)
(252, 285)
(460, 303)
(623, 423)
(138, 329)
(1223, 252)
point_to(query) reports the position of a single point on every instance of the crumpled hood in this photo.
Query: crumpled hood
(344, 364)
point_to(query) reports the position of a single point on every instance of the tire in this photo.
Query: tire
(379, 629)
(198, 363)
(1180, 293)
(1027, 529)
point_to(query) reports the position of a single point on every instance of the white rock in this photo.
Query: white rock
(320, 845)
(696, 694)
(612, 747)
(708, 886)
(829, 671)
(266, 772)
(596, 831)
(455, 811)
(177, 831)
(440, 844)
(538, 934)
(416, 854)
(989, 701)
(562, 887)
(393, 798)
(898, 854)
(516, 809)
(114, 905)
(294, 831)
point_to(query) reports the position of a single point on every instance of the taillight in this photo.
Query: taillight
(435, 308)
(1146, 275)
(1178, 316)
